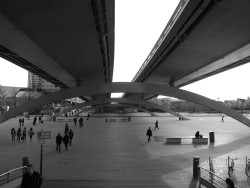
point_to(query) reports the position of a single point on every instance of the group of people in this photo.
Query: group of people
(198, 135)
(20, 134)
(39, 118)
(21, 121)
(66, 139)
(80, 121)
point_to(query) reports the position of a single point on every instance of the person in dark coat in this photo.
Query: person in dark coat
(31, 133)
(18, 134)
(59, 139)
(198, 135)
(66, 130)
(81, 122)
(75, 120)
(31, 179)
(40, 119)
(20, 122)
(230, 183)
(66, 141)
(149, 134)
(71, 134)
(34, 122)
(13, 134)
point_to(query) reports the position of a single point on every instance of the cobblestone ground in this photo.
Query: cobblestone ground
(116, 154)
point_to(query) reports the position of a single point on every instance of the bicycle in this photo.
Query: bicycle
(247, 168)
(211, 168)
(230, 164)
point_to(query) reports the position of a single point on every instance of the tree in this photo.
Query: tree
(2, 96)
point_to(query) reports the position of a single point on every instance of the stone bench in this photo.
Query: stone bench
(203, 140)
(178, 140)
(117, 119)
(173, 140)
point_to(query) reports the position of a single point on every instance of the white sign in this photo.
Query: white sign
(43, 135)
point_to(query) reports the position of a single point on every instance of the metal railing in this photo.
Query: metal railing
(11, 175)
(210, 179)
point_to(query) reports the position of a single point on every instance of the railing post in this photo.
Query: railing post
(196, 162)
(8, 177)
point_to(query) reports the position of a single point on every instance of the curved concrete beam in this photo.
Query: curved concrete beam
(122, 100)
(119, 87)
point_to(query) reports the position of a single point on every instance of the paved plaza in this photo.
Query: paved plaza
(117, 154)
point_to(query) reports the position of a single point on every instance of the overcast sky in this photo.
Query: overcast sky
(138, 25)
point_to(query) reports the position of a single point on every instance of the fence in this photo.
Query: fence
(210, 179)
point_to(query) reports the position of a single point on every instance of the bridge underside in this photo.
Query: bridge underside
(124, 87)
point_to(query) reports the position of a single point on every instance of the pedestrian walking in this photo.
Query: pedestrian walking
(13, 135)
(22, 121)
(71, 135)
(31, 179)
(24, 134)
(156, 125)
(222, 119)
(66, 130)
(18, 134)
(149, 134)
(75, 120)
(58, 142)
(81, 122)
(34, 122)
(40, 119)
(88, 116)
(66, 141)
(31, 133)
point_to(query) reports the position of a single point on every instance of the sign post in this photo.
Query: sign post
(42, 136)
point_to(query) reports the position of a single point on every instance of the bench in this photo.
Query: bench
(117, 119)
(173, 140)
(64, 119)
(179, 140)
(203, 140)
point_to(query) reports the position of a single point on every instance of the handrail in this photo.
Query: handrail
(8, 172)
(212, 173)
(5, 177)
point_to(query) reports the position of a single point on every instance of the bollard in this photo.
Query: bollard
(25, 163)
(211, 137)
(196, 163)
